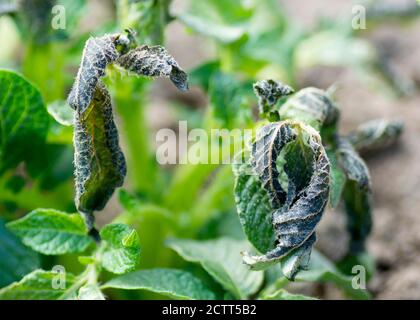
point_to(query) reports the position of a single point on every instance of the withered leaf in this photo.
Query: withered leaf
(99, 163)
(154, 61)
(294, 213)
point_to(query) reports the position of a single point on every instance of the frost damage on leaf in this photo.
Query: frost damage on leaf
(376, 134)
(99, 162)
(154, 61)
(297, 211)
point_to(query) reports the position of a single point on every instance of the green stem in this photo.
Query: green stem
(130, 104)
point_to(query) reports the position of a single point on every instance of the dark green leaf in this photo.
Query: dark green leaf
(16, 260)
(23, 120)
(338, 179)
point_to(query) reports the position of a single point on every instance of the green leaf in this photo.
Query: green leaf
(23, 120)
(61, 112)
(254, 208)
(221, 259)
(39, 285)
(16, 260)
(176, 284)
(338, 179)
(90, 292)
(52, 232)
(289, 156)
(121, 248)
(224, 20)
(282, 294)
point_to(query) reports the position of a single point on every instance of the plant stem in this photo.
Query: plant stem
(130, 104)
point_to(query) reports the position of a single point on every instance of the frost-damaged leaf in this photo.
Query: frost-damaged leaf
(90, 292)
(376, 134)
(16, 260)
(173, 283)
(356, 196)
(250, 196)
(154, 61)
(39, 285)
(221, 259)
(121, 248)
(269, 92)
(295, 212)
(52, 232)
(23, 120)
(311, 106)
(99, 162)
(97, 54)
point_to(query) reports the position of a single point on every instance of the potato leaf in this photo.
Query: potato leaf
(311, 106)
(338, 179)
(218, 258)
(99, 162)
(269, 92)
(154, 61)
(282, 294)
(23, 120)
(97, 54)
(356, 196)
(39, 285)
(295, 212)
(376, 134)
(173, 283)
(120, 248)
(16, 260)
(52, 232)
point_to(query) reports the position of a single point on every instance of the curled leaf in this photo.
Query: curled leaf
(376, 134)
(97, 54)
(295, 212)
(312, 106)
(356, 196)
(269, 92)
(99, 163)
(154, 61)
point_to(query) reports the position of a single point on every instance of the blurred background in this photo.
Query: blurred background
(375, 70)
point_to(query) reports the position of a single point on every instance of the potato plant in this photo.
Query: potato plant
(206, 230)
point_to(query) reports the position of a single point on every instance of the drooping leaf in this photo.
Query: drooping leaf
(221, 259)
(295, 212)
(97, 54)
(376, 134)
(121, 248)
(52, 232)
(173, 283)
(61, 112)
(99, 162)
(23, 120)
(356, 196)
(154, 61)
(90, 292)
(311, 106)
(16, 260)
(39, 285)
